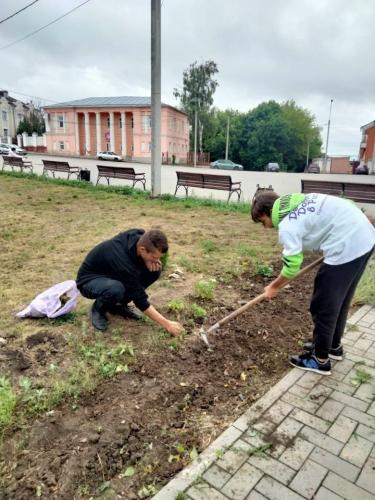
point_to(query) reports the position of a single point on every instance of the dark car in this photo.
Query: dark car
(361, 170)
(313, 168)
(272, 167)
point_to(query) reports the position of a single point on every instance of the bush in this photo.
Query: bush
(205, 289)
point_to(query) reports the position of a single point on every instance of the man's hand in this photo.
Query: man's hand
(271, 291)
(153, 265)
(174, 328)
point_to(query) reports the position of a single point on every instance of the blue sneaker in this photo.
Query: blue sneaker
(309, 363)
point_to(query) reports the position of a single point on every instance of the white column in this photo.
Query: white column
(112, 131)
(87, 133)
(19, 140)
(46, 121)
(123, 133)
(98, 134)
(76, 128)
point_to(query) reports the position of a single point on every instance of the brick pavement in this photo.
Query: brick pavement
(310, 436)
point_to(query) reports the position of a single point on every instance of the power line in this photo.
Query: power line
(45, 26)
(18, 11)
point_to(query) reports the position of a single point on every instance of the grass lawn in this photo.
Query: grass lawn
(46, 229)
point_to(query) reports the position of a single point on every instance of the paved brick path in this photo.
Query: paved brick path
(322, 431)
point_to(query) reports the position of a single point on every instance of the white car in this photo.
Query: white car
(108, 155)
(5, 148)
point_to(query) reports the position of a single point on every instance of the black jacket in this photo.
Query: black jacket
(117, 259)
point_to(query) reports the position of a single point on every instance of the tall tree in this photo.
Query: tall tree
(32, 122)
(198, 88)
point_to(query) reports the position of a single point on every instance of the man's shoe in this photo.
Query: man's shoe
(308, 362)
(336, 353)
(98, 319)
(125, 311)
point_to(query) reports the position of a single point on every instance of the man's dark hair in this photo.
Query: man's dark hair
(262, 205)
(154, 240)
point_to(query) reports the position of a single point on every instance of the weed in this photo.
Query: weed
(362, 377)
(209, 246)
(8, 401)
(365, 292)
(176, 306)
(205, 289)
(66, 318)
(259, 450)
(198, 312)
(263, 270)
(164, 260)
(181, 496)
(106, 361)
(187, 264)
(246, 250)
(219, 452)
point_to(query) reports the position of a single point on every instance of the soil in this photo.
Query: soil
(169, 404)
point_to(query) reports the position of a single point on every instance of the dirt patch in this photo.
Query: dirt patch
(170, 405)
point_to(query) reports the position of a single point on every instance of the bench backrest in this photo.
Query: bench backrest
(190, 179)
(12, 160)
(324, 187)
(362, 193)
(63, 166)
(212, 181)
(117, 172)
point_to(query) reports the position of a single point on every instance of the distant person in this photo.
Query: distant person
(13, 152)
(346, 237)
(118, 271)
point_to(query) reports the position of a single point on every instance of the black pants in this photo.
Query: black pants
(109, 292)
(334, 288)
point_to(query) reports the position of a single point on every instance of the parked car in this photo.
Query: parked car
(313, 168)
(226, 164)
(361, 170)
(108, 155)
(5, 148)
(272, 167)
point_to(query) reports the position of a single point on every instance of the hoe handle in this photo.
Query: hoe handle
(257, 299)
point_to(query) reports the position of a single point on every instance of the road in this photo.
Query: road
(282, 183)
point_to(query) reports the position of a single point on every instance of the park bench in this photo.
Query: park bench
(13, 161)
(207, 181)
(127, 173)
(59, 166)
(359, 192)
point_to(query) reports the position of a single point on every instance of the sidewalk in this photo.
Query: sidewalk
(310, 436)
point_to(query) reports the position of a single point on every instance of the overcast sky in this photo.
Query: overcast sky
(311, 51)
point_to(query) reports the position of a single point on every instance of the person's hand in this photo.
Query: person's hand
(174, 328)
(153, 266)
(271, 291)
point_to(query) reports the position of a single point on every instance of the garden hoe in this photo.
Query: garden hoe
(204, 334)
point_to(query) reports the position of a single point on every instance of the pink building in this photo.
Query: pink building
(119, 124)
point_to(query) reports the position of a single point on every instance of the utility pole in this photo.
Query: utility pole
(308, 153)
(155, 99)
(227, 143)
(329, 124)
(195, 135)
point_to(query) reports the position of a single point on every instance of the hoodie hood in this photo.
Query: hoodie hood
(284, 205)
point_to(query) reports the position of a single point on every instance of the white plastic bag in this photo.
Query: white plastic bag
(49, 303)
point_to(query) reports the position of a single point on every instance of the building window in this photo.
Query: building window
(120, 122)
(146, 121)
(108, 122)
(132, 122)
(5, 116)
(61, 146)
(19, 118)
(6, 134)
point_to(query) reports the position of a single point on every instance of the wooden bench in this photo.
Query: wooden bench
(59, 166)
(127, 173)
(13, 161)
(356, 191)
(207, 181)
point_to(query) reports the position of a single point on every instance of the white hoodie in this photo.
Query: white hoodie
(336, 226)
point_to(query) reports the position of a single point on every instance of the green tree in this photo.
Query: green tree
(33, 122)
(198, 88)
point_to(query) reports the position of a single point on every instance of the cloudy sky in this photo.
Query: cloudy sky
(311, 51)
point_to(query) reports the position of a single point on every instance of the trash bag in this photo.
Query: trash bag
(58, 300)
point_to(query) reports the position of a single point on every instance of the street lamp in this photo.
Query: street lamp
(329, 124)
